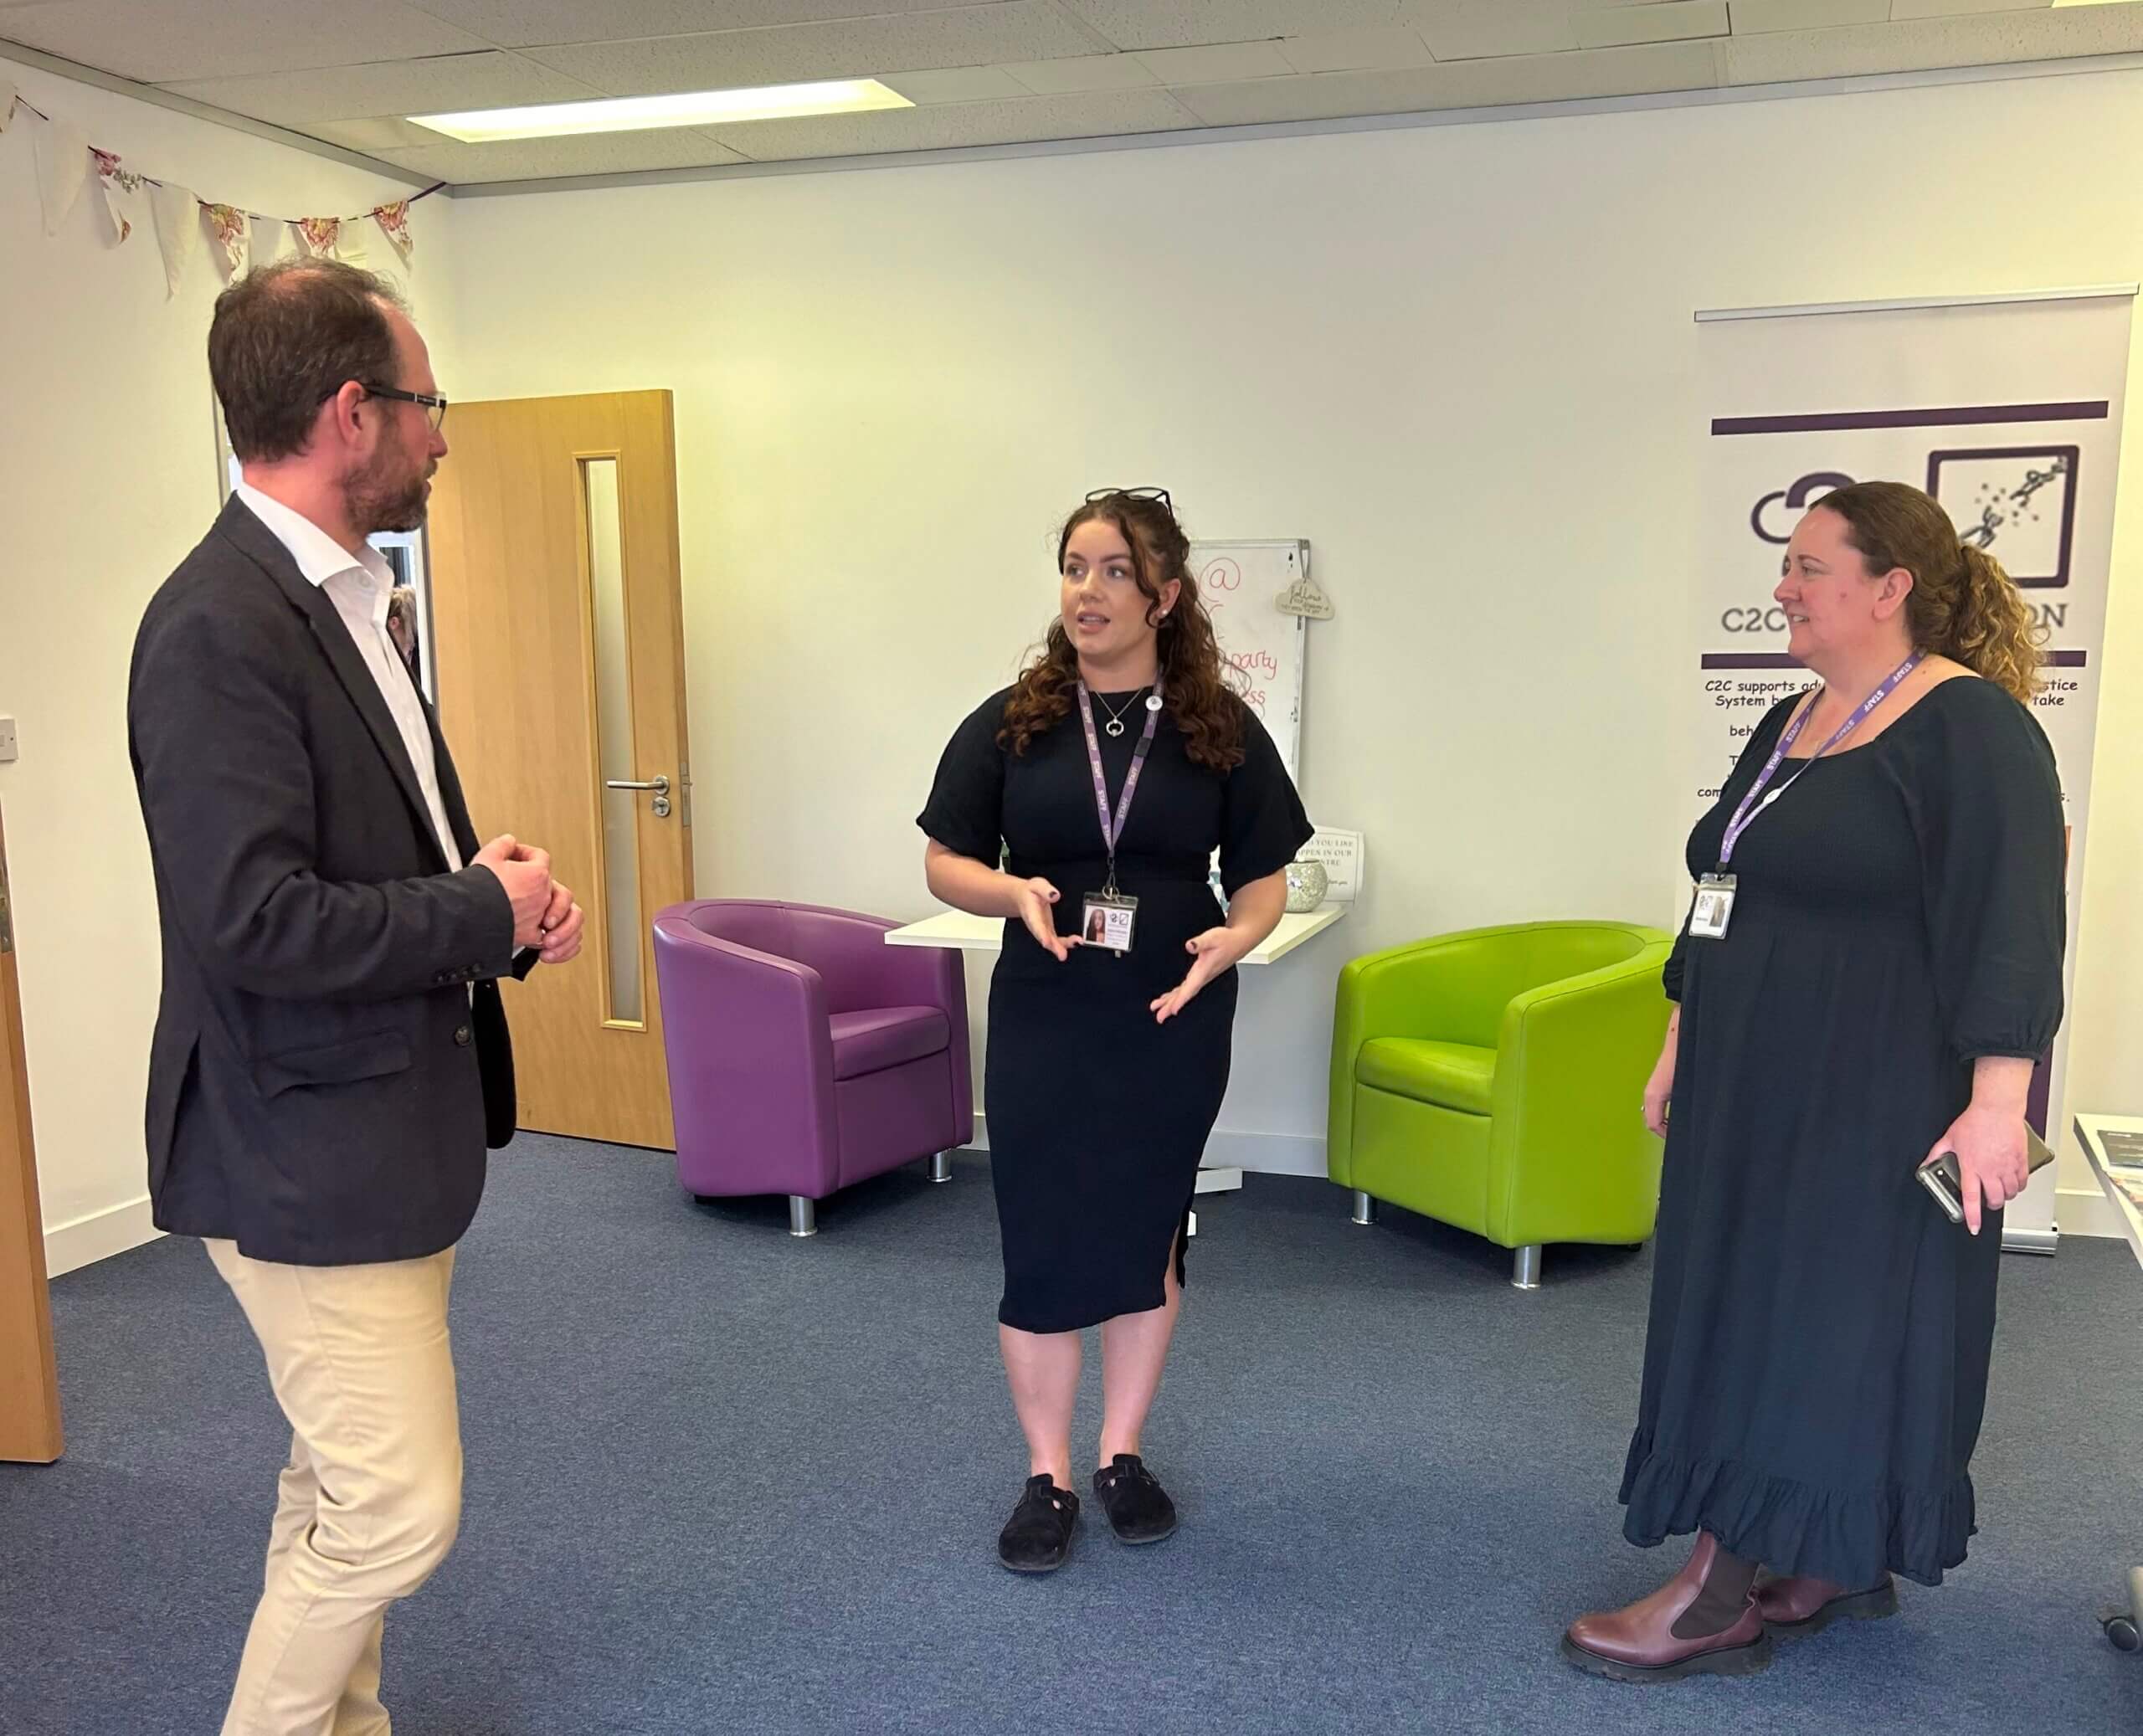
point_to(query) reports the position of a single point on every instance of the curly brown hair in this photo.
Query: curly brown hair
(1963, 606)
(1194, 679)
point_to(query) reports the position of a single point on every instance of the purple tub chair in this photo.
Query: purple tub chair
(805, 1053)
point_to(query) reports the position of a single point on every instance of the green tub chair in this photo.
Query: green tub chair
(1494, 1080)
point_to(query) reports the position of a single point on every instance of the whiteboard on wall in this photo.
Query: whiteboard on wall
(1240, 584)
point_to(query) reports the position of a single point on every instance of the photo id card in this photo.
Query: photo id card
(1714, 907)
(1106, 921)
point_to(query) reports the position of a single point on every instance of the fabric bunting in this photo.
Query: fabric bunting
(65, 160)
(233, 234)
(63, 168)
(393, 222)
(318, 235)
(121, 188)
(178, 214)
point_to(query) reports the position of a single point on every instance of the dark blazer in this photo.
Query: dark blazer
(323, 1080)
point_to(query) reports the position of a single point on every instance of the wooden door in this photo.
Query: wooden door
(558, 617)
(29, 1386)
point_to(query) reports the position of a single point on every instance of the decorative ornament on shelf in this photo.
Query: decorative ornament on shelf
(1307, 883)
(1306, 596)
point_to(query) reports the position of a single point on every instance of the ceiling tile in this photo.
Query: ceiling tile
(961, 83)
(1384, 47)
(385, 133)
(1754, 17)
(1902, 10)
(1473, 84)
(1476, 29)
(1197, 23)
(1928, 44)
(535, 24)
(860, 48)
(1110, 115)
(172, 39)
(491, 80)
(1320, 96)
(1083, 72)
(1214, 65)
(1670, 21)
(609, 153)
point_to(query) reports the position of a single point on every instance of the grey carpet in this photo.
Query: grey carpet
(722, 1481)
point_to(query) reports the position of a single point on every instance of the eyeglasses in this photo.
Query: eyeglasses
(1134, 494)
(436, 406)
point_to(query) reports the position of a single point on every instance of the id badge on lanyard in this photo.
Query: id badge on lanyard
(1711, 906)
(1109, 918)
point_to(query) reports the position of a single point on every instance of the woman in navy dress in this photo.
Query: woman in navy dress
(1872, 966)
(1106, 1066)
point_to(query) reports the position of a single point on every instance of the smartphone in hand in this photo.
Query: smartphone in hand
(1942, 1179)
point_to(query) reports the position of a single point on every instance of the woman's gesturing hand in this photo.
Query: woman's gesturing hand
(1037, 909)
(1215, 950)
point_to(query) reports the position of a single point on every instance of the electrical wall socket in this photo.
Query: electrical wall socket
(7, 751)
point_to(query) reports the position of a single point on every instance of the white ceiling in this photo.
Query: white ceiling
(1000, 72)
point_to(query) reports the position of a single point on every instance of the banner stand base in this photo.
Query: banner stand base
(2032, 1241)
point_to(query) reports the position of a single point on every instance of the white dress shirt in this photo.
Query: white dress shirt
(358, 585)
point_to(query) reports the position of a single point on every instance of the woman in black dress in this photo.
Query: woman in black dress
(1105, 1064)
(1889, 969)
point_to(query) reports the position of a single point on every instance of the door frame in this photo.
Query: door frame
(29, 1380)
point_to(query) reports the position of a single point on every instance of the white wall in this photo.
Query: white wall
(1459, 360)
(109, 477)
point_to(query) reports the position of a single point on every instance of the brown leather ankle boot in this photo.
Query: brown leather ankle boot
(1792, 1608)
(1639, 1643)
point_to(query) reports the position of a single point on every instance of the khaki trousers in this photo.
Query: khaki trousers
(359, 1359)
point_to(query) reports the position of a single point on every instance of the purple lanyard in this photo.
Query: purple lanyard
(1112, 831)
(1745, 816)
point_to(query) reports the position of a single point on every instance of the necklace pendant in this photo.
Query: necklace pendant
(1114, 725)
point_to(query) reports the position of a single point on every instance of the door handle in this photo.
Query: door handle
(660, 786)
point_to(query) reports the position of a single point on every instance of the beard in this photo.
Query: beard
(389, 493)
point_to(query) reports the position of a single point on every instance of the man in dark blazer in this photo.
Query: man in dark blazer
(331, 1058)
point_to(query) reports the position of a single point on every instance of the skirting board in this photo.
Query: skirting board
(69, 1247)
(2079, 1211)
(2085, 1211)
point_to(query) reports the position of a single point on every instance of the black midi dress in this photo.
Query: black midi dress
(1097, 1115)
(1816, 1370)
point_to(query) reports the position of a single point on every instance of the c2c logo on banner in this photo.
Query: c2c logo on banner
(1798, 499)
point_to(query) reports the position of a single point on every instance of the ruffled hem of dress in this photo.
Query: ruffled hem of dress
(1848, 1537)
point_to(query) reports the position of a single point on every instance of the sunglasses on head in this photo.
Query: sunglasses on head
(1132, 494)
